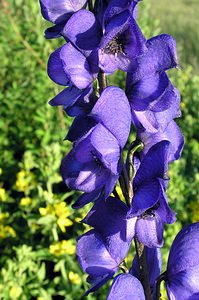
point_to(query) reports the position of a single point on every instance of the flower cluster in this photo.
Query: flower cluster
(100, 38)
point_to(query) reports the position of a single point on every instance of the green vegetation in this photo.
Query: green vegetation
(38, 228)
(180, 19)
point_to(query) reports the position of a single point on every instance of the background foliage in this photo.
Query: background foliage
(38, 228)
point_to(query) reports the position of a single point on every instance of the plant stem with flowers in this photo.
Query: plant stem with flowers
(101, 37)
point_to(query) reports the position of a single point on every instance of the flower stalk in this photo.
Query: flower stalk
(103, 36)
(144, 277)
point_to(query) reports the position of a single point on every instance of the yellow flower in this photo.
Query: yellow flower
(6, 231)
(62, 223)
(2, 195)
(43, 211)
(74, 278)
(62, 247)
(40, 298)
(60, 211)
(22, 182)
(15, 292)
(26, 201)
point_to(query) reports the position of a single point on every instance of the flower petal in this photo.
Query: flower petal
(126, 287)
(150, 88)
(54, 31)
(184, 286)
(144, 198)
(56, 70)
(166, 214)
(58, 11)
(107, 147)
(149, 231)
(154, 164)
(80, 128)
(80, 170)
(172, 134)
(93, 255)
(83, 30)
(184, 252)
(66, 97)
(113, 102)
(155, 119)
(76, 66)
(87, 198)
(161, 56)
(108, 217)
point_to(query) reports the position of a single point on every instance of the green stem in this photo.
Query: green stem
(158, 282)
(144, 277)
(140, 250)
(124, 183)
(136, 146)
(90, 5)
(102, 81)
(124, 268)
(96, 6)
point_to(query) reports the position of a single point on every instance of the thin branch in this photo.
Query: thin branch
(158, 282)
(96, 6)
(124, 183)
(90, 5)
(144, 277)
(102, 81)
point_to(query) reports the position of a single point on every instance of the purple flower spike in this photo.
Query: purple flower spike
(58, 12)
(154, 265)
(96, 260)
(183, 265)
(126, 287)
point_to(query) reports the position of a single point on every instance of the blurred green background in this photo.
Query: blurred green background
(38, 228)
